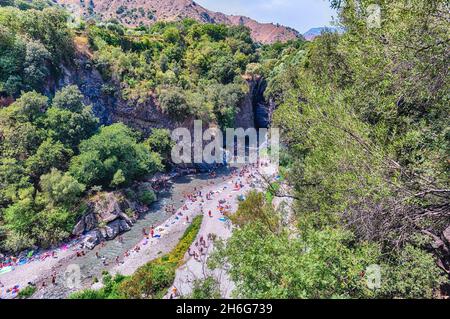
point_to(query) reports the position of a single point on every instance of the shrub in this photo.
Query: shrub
(147, 197)
(27, 292)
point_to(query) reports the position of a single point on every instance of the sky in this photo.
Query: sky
(301, 15)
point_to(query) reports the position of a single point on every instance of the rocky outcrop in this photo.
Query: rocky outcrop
(254, 110)
(88, 79)
(108, 215)
(143, 116)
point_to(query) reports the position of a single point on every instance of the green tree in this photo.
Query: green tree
(207, 288)
(28, 108)
(60, 189)
(113, 148)
(50, 154)
(69, 98)
(316, 264)
(118, 178)
(160, 142)
(174, 103)
(20, 216)
(70, 127)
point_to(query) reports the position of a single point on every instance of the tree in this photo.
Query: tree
(28, 108)
(69, 98)
(12, 179)
(36, 60)
(114, 148)
(255, 209)
(160, 142)
(317, 264)
(70, 127)
(226, 100)
(50, 154)
(224, 70)
(174, 103)
(411, 274)
(118, 178)
(20, 217)
(54, 224)
(88, 169)
(207, 288)
(19, 140)
(60, 189)
(147, 196)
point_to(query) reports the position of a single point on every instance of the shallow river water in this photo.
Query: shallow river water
(92, 267)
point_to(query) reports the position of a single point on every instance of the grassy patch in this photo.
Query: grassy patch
(27, 292)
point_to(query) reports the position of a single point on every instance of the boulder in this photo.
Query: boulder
(446, 234)
(127, 219)
(112, 229)
(90, 222)
(107, 207)
(79, 228)
(92, 239)
(124, 226)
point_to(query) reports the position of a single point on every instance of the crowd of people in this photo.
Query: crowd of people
(199, 248)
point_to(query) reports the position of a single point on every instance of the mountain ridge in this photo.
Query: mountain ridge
(313, 33)
(143, 12)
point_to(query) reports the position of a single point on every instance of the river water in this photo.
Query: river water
(92, 267)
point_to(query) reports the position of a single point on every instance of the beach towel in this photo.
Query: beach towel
(5, 270)
(22, 262)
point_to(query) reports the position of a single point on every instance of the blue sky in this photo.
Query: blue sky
(299, 14)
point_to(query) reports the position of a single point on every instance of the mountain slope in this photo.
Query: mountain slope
(137, 12)
(312, 33)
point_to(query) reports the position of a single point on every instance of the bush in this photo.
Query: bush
(207, 288)
(113, 155)
(147, 197)
(174, 103)
(27, 292)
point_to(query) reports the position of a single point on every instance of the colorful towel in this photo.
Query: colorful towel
(5, 270)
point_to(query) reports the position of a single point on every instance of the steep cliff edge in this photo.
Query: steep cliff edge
(254, 111)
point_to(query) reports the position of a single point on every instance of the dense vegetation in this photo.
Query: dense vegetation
(193, 69)
(151, 280)
(365, 128)
(365, 121)
(33, 44)
(53, 152)
(51, 155)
